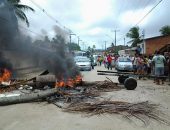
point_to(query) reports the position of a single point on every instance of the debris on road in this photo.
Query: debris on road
(141, 110)
(75, 95)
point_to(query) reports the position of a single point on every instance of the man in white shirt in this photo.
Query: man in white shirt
(159, 63)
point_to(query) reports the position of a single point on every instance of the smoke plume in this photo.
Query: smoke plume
(17, 50)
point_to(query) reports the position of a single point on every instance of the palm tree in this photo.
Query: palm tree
(165, 30)
(134, 35)
(19, 10)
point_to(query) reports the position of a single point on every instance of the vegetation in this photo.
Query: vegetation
(73, 47)
(165, 30)
(134, 35)
(19, 10)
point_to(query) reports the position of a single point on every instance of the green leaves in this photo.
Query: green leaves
(165, 30)
(19, 10)
(134, 35)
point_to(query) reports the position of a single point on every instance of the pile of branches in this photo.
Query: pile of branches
(102, 86)
(141, 111)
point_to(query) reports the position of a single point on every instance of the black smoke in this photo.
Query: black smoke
(17, 50)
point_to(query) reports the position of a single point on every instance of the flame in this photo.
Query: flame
(70, 82)
(60, 83)
(5, 76)
(78, 79)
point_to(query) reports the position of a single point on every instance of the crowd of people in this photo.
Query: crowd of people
(108, 60)
(153, 65)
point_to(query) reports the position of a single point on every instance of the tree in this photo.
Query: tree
(19, 10)
(73, 47)
(134, 35)
(165, 30)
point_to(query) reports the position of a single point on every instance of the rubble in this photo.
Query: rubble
(77, 96)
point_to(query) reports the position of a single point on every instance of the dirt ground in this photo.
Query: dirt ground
(43, 116)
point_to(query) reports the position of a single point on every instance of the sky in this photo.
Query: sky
(94, 21)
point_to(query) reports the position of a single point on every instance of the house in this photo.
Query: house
(150, 45)
(127, 52)
(115, 49)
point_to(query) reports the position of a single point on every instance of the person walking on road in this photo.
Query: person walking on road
(92, 61)
(105, 61)
(109, 60)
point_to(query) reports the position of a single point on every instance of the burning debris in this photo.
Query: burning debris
(70, 82)
(74, 87)
(5, 75)
(64, 84)
(75, 95)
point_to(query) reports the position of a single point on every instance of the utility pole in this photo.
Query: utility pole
(83, 45)
(70, 36)
(79, 40)
(105, 44)
(124, 42)
(143, 47)
(115, 35)
(115, 31)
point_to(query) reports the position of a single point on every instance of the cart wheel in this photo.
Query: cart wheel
(122, 79)
(130, 83)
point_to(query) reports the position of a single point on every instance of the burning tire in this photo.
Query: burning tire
(122, 79)
(130, 83)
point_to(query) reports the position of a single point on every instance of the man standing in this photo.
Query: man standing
(92, 61)
(109, 60)
(134, 62)
(159, 63)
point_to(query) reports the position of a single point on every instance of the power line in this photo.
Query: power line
(148, 13)
(145, 14)
(142, 4)
(51, 17)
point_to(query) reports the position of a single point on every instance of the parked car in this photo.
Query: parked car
(83, 63)
(124, 64)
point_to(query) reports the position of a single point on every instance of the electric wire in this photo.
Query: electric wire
(137, 24)
(148, 13)
(51, 17)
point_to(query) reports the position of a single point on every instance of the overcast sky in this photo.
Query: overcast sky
(95, 20)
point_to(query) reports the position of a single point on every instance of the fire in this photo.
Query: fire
(60, 84)
(70, 82)
(5, 76)
(78, 79)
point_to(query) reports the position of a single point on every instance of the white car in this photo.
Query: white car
(124, 64)
(83, 63)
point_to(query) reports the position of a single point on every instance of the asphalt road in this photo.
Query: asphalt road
(43, 116)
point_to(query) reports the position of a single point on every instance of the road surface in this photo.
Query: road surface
(43, 116)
